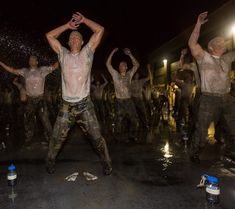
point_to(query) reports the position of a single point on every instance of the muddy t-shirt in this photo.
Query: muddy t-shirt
(98, 91)
(137, 87)
(76, 69)
(122, 83)
(187, 90)
(215, 71)
(35, 80)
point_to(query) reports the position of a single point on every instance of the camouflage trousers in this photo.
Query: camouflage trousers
(126, 107)
(99, 109)
(36, 107)
(83, 114)
(141, 110)
(212, 108)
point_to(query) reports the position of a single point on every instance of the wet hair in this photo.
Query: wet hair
(213, 41)
(75, 32)
(33, 56)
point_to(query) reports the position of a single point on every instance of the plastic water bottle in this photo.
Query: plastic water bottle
(212, 189)
(12, 175)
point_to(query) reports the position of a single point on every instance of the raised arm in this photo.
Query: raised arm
(195, 48)
(149, 72)
(149, 77)
(105, 81)
(17, 83)
(53, 35)
(9, 69)
(133, 59)
(182, 56)
(97, 29)
(109, 60)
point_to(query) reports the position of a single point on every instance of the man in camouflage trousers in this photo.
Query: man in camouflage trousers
(76, 106)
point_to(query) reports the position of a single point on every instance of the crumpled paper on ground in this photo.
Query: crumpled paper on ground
(72, 177)
(89, 176)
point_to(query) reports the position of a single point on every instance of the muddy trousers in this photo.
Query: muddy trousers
(212, 108)
(126, 107)
(141, 110)
(99, 109)
(33, 107)
(83, 114)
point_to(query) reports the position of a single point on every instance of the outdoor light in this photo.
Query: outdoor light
(165, 61)
(232, 32)
(233, 29)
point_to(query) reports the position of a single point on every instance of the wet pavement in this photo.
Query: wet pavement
(146, 175)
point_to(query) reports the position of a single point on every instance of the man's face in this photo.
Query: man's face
(33, 61)
(75, 40)
(122, 67)
(218, 46)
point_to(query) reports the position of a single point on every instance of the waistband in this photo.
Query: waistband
(40, 97)
(84, 100)
(214, 94)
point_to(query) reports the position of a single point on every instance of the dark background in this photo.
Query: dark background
(141, 26)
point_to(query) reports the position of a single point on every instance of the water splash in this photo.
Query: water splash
(17, 45)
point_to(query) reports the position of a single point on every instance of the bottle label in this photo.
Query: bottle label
(213, 191)
(12, 177)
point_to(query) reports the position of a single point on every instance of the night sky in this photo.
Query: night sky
(141, 26)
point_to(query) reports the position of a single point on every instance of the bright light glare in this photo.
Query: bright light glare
(233, 29)
(166, 151)
(165, 61)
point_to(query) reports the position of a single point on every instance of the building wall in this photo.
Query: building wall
(219, 24)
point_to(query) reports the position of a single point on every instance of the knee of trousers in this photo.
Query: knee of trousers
(58, 137)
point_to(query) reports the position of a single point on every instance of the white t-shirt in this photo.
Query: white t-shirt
(76, 69)
(35, 80)
(122, 83)
(215, 71)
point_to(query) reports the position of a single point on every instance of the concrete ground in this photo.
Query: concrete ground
(152, 173)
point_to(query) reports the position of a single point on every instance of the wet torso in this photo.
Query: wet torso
(76, 70)
(35, 80)
(215, 73)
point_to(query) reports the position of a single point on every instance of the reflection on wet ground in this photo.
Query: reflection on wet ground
(154, 172)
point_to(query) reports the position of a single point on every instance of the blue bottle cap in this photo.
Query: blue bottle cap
(212, 179)
(11, 167)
